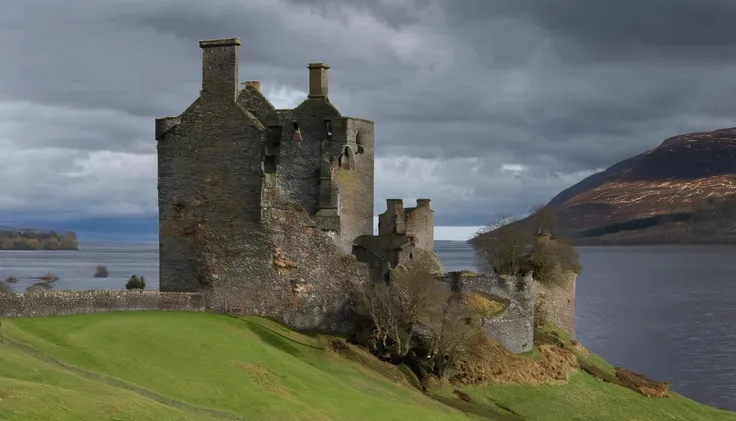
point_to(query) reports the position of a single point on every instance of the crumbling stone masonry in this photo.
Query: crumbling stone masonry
(403, 233)
(514, 327)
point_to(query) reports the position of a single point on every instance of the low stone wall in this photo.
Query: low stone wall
(65, 303)
(514, 328)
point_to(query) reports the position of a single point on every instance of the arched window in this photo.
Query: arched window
(347, 160)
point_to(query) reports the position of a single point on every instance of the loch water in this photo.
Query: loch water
(668, 312)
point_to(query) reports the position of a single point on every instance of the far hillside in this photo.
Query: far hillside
(681, 192)
(37, 240)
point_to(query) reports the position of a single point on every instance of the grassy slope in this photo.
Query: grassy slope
(261, 371)
(584, 397)
(32, 390)
(251, 367)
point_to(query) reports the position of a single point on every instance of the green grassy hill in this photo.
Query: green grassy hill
(200, 366)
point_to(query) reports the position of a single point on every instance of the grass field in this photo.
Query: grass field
(179, 366)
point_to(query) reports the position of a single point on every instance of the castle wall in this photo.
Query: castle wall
(515, 327)
(383, 252)
(557, 302)
(66, 303)
(353, 140)
(299, 166)
(302, 278)
(210, 178)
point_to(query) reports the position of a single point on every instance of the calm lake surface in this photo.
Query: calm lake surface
(667, 312)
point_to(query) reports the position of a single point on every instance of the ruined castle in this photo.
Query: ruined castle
(263, 208)
(269, 211)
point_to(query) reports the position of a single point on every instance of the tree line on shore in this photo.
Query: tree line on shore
(35, 240)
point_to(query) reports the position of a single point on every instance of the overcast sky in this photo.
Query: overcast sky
(485, 106)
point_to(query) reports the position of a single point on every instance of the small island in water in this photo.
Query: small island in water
(37, 240)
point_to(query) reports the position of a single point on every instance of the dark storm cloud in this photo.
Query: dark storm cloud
(484, 105)
(651, 30)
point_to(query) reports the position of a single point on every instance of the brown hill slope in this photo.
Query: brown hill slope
(681, 192)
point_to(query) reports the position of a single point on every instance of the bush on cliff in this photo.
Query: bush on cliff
(517, 248)
(136, 282)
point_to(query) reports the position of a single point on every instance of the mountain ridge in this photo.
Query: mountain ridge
(682, 191)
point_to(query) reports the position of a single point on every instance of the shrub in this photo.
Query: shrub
(11, 279)
(5, 288)
(38, 287)
(550, 260)
(101, 271)
(136, 282)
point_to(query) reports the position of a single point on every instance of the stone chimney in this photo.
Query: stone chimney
(318, 80)
(220, 69)
(422, 203)
(254, 83)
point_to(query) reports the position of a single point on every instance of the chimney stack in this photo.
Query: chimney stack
(318, 80)
(220, 68)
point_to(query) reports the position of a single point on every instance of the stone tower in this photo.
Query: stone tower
(259, 207)
(404, 234)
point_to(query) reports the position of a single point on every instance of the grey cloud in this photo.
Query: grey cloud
(628, 30)
(561, 88)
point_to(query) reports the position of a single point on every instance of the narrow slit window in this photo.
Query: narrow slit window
(328, 129)
(297, 133)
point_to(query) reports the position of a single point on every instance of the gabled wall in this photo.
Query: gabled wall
(210, 178)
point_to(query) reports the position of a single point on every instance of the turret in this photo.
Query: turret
(392, 221)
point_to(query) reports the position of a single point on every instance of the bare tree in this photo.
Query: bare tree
(501, 245)
(412, 298)
(453, 335)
